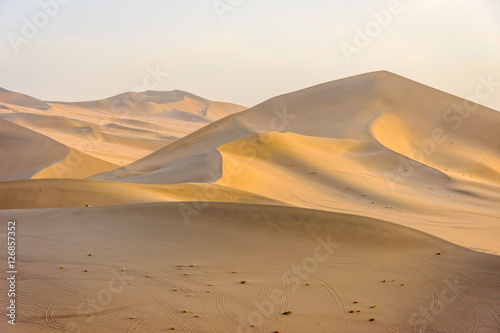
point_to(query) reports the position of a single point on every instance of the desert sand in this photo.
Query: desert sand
(367, 204)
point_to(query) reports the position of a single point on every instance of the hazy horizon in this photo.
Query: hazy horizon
(243, 52)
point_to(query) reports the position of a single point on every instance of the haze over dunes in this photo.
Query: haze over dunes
(372, 193)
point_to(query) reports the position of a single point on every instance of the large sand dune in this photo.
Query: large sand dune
(318, 265)
(376, 145)
(403, 179)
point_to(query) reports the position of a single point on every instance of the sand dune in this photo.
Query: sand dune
(181, 150)
(176, 104)
(362, 145)
(119, 129)
(223, 225)
(200, 168)
(318, 265)
(353, 109)
(26, 154)
(10, 98)
(65, 193)
(76, 165)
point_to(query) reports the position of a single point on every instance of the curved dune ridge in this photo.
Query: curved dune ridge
(333, 272)
(174, 103)
(359, 205)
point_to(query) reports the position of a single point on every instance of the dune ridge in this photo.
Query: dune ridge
(9, 98)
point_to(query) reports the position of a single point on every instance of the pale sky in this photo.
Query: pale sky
(248, 51)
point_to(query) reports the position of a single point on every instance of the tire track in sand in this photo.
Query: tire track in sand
(49, 313)
(166, 309)
(222, 306)
(142, 320)
(341, 326)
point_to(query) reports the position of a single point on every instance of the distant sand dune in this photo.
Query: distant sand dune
(119, 129)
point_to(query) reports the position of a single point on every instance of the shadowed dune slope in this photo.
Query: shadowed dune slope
(58, 193)
(13, 98)
(26, 154)
(23, 152)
